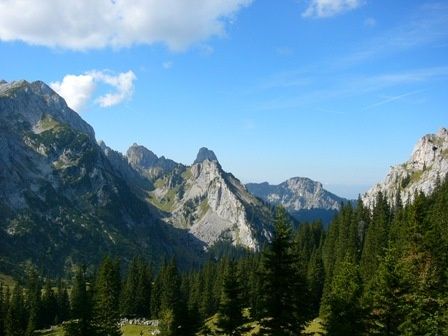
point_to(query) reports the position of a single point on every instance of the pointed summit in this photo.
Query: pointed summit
(205, 154)
(35, 101)
(141, 156)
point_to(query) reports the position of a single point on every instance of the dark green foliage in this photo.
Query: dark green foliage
(230, 315)
(171, 301)
(375, 272)
(344, 315)
(49, 306)
(388, 296)
(63, 303)
(3, 308)
(33, 302)
(136, 293)
(307, 246)
(16, 317)
(107, 298)
(376, 238)
(281, 292)
(81, 304)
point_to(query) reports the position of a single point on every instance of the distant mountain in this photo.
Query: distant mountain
(63, 200)
(305, 199)
(427, 167)
(148, 164)
(202, 198)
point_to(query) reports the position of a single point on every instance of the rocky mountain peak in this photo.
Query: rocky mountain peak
(299, 184)
(427, 166)
(141, 156)
(305, 199)
(33, 101)
(205, 154)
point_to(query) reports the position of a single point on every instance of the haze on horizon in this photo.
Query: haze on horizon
(334, 90)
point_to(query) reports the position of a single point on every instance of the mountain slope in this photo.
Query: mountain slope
(212, 204)
(61, 199)
(305, 199)
(427, 167)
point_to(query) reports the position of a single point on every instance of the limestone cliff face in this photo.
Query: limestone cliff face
(297, 193)
(427, 167)
(64, 198)
(305, 199)
(212, 204)
(148, 163)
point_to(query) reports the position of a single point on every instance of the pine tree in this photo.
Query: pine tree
(128, 295)
(33, 302)
(16, 317)
(3, 305)
(388, 293)
(136, 293)
(107, 298)
(63, 303)
(81, 325)
(144, 288)
(279, 276)
(172, 309)
(376, 238)
(49, 305)
(344, 315)
(230, 316)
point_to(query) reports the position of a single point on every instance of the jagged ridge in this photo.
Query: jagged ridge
(427, 167)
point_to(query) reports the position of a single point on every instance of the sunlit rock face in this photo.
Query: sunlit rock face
(427, 167)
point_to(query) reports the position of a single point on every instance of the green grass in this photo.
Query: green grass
(47, 123)
(203, 208)
(166, 203)
(135, 330)
(57, 331)
(128, 330)
(187, 174)
(210, 326)
(159, 183)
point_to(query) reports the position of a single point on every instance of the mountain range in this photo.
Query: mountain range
(66, 198)
(306, 200)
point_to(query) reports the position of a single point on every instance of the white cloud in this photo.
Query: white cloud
(327, 8)
(93, 24)
(77, 90)
(123, 83)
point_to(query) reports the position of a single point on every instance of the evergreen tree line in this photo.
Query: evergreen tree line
(277, 288)
(380, 271)
(386, 269)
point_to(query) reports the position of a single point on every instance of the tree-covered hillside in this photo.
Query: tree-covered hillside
(375, 272)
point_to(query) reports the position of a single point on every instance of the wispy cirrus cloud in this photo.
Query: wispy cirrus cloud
(78, 90)
(328, 8)
(348, 87)
(428, 25)
(391, 99)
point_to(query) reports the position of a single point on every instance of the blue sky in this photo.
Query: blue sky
(334, 90)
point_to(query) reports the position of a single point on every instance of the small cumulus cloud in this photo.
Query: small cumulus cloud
(95, 24)
(77, 90)
(328, 8)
